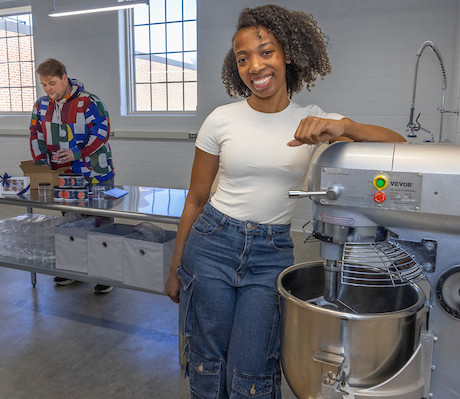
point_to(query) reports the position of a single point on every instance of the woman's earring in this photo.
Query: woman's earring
(288, 61)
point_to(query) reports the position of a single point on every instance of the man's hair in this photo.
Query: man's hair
(51, 67)
(303, 43)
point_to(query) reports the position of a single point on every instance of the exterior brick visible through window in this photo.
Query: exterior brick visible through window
(17, 66)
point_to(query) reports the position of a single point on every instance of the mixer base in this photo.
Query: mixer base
(411, 382)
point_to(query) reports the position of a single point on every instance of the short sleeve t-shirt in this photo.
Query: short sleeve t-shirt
(257, 167)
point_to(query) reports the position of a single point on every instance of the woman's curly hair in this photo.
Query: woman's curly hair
(303, 43)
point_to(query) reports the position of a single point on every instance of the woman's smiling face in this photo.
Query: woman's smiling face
(262, 66)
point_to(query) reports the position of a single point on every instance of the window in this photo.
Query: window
(17, 66)
(164, 57)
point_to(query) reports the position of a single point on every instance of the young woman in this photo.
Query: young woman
(230, 249)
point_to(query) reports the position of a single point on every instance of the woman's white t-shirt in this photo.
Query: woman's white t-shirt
(257, 167)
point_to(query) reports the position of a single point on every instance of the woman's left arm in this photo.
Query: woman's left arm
(314, 130)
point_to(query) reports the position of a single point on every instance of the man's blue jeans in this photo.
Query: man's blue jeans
(229, 306)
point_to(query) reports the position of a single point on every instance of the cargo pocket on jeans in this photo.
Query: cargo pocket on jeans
(185, 299)
(275, 335)
(204, 375)
(251, 386)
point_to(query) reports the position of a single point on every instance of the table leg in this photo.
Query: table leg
(33, 278)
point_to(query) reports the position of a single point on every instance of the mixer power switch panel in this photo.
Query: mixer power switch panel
(380, 182)
(378, 189)
(379, 197)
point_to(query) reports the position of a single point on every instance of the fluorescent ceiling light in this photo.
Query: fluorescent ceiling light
(118, 6)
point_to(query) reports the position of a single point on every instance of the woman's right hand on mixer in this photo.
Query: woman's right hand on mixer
(314, 130)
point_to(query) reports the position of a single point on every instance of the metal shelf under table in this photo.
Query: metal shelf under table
(152, 204)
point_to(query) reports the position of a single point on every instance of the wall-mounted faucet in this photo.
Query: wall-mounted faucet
(415, 127)
(412, 126)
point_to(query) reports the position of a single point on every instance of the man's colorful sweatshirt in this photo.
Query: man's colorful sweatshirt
(79, 122)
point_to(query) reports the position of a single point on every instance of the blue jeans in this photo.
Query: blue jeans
(229, 306)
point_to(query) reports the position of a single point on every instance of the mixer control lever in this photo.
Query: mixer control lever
(303, 194)
(331, 193)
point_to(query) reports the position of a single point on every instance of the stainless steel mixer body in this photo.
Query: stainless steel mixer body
(407, 192)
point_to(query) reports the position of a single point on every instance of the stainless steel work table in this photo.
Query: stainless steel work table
(153, 204)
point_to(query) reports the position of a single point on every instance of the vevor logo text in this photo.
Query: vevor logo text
(401, 184)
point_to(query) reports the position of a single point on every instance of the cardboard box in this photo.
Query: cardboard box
(41, 174)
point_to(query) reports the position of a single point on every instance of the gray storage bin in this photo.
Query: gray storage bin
(71, 244)
(105, 251)
(145, 263)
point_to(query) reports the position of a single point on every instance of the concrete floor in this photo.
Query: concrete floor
(66, 342)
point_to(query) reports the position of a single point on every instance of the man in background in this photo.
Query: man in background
(70, 128)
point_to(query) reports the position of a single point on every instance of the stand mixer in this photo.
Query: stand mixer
(380, 318)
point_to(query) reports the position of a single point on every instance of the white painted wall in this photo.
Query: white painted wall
(373, 46)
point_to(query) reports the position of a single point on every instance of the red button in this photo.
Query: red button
(379, 196)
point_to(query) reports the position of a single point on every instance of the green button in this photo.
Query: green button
(380, 182)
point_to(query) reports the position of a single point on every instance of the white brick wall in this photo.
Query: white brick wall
(153, 162)
(13, 150)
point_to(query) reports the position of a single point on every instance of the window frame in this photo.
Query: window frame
(15, 12)
(130, 68)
